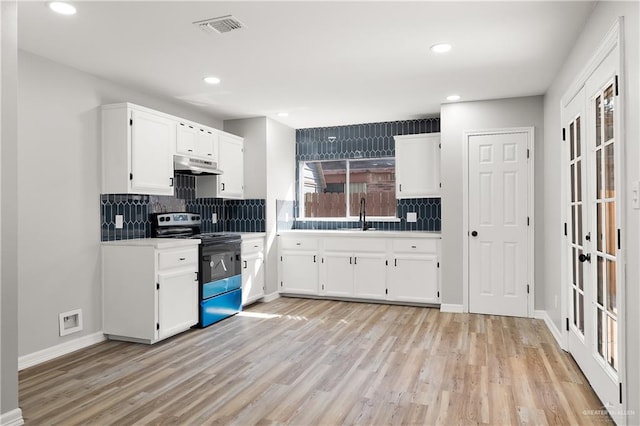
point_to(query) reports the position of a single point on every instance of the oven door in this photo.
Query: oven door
(219, 262)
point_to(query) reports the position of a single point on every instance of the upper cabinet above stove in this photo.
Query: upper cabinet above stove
(137, 150)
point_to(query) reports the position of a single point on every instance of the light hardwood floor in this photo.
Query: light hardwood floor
(302, 362)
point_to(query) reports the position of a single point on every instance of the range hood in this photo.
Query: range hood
(195, 166)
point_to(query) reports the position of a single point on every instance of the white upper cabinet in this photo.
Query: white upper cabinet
(137, 150)
(231, 154)
(418, 165)
(194, 140)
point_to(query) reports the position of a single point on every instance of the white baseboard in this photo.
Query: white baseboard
(447, 307)
(12, 418)
(537, 314)
(271, 297)
(48, 354)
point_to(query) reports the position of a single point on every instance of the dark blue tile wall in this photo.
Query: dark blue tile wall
(427, 209)
(371, 140)
(233, 215)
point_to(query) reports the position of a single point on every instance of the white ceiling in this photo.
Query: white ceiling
(326, 63)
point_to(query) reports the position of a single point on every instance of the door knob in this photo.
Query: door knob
(584, 258)
(474, 233)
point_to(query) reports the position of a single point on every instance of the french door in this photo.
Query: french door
(591, 131)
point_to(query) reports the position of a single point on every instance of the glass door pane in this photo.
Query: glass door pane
(606, 238)
(576, 226)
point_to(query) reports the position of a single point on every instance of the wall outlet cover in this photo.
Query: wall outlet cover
(214, 217)
(412, 217)
(70, 322)
(119, 221)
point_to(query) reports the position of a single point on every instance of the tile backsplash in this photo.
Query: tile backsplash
(427, 211)
(232, 215)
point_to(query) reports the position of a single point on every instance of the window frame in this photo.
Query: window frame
(349, 217)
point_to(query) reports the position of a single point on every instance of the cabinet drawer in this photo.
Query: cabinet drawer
(252, 246)
(176, 258)
(298, 243)
(410, 245)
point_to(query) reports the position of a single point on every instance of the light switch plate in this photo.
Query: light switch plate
(412, 217)
(119, 221)
(214, 218)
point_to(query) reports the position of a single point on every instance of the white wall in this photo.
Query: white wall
(59, 194)
(281, 171)
(254, 132)
(455, 119)
(8, 212)
(600, 21)
(269, 173)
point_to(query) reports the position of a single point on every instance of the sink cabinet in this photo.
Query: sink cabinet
(149, 292)
(398, 269)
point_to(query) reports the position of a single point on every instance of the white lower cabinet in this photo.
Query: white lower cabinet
(360, 267)
(338, 273)
(298, 266)
(369, 279)
(252, 269)
(150, 289)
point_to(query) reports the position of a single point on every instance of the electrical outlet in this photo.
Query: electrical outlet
(214, 217)
(119, 221)
(412, 217)
(635, 195)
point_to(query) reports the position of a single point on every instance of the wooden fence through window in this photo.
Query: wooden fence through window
(334, 204)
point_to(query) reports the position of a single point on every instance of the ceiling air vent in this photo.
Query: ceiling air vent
(222, 24)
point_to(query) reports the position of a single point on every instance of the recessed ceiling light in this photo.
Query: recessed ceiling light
(283, 114)
(212, 80)
(441, 48)
(453, 97)
(62, 8)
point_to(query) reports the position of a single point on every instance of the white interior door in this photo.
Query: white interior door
(594, 289)
(498, 220)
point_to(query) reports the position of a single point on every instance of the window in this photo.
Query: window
(334, 189)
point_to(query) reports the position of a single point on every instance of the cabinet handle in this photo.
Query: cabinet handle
(350, 260)
(395, 262)
(171, 184)
(222, 186)
(197, 276)
(210, 155)
(245, 264)
(189, 150)
(400, 187)
(183, 258)
(314, 258)
(355, 260)
(413, 246)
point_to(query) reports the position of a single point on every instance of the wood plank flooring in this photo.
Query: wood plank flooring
(303, 362)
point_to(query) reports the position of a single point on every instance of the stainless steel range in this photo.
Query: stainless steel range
(219, 265)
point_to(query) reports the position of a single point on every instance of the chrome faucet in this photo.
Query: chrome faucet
(363, 214)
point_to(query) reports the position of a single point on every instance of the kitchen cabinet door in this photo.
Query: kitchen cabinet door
(370, 275)
(152, 139)
(177, 302)
(231, 162)
(252, 277)
(186, 135)
(207, 144)
(338, 270)
(414, 278)
(418, 165)
(299, 272)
